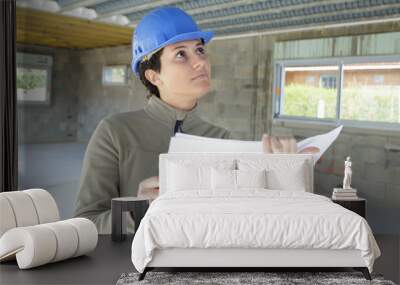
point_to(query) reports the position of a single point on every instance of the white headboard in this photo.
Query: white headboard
(275, 160)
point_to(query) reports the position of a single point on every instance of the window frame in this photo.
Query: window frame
(279, 83)
(36, 61)
(105, 83)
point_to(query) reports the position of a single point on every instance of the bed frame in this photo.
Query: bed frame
(246, 259)
(240, 259)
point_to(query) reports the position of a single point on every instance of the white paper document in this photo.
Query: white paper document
(190, 143)
(322, 142)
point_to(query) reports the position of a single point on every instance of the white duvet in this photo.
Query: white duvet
(254, 218)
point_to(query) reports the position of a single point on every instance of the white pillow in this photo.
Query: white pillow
(193, 174)
(188, 177)
(223, 179)
(251, 178)
(281, 173)
(227, 179)
(294, 180)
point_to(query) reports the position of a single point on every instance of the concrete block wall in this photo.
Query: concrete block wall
(97, 101)
(376, 170)
(236, 87)
(58, 121)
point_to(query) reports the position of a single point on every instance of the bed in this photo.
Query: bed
(247, 210)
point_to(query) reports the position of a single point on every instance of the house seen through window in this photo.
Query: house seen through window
(328, 81)
(355, 91)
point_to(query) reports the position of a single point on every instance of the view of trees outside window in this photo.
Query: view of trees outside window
(31, 84)
(371, 92)
(310, 91)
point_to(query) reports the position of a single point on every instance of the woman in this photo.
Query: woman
(170, 59)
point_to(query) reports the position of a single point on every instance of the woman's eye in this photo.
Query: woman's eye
(201, 50)
(180, 54)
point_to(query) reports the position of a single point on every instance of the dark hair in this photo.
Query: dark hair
(153, 63)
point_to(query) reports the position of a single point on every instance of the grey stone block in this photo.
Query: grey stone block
(373, 191)
(392, 196)
(367, 140)
(376, 172)
(368, 154)
(281, 131)
(243, 71)
(341, 150)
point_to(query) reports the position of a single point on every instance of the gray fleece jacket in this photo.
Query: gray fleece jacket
(124, 150)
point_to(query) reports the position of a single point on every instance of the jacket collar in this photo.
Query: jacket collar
(166, 114)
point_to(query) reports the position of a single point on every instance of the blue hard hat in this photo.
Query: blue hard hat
(161, 27)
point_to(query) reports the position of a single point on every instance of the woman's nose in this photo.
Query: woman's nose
(198, 61)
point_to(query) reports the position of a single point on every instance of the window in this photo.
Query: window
(367, 99)
(115, 75)
(356, 90)
(328, 81)
(33, 78)
(302, 95)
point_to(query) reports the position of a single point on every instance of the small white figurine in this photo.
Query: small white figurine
(347, 174)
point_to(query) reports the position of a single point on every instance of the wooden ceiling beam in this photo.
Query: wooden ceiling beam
(70, 40)
(31, 15)
(24, 38)
(58, 43)
(64, 42)
(43, 28)
(70, 32)
(51, 23)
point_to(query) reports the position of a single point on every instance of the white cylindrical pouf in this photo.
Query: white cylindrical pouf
(40, 244)
(45, 205)
(23, 207)
(7, 218)
(67, 239)
(34, 245)
(87, 234)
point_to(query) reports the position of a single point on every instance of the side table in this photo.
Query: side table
(119, 207)
(357, 205)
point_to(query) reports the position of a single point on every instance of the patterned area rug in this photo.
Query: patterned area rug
(269, 278)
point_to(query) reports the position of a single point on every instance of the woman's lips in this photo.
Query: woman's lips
(201, 76)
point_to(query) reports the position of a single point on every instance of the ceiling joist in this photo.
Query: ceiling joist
(43, 28)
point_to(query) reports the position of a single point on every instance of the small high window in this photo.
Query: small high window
(115, 75)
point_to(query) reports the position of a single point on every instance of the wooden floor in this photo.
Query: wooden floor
(389, 262)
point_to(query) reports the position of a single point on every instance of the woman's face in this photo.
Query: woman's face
(185, 72)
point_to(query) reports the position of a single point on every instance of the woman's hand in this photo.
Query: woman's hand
(149, 188)
(283, 144)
